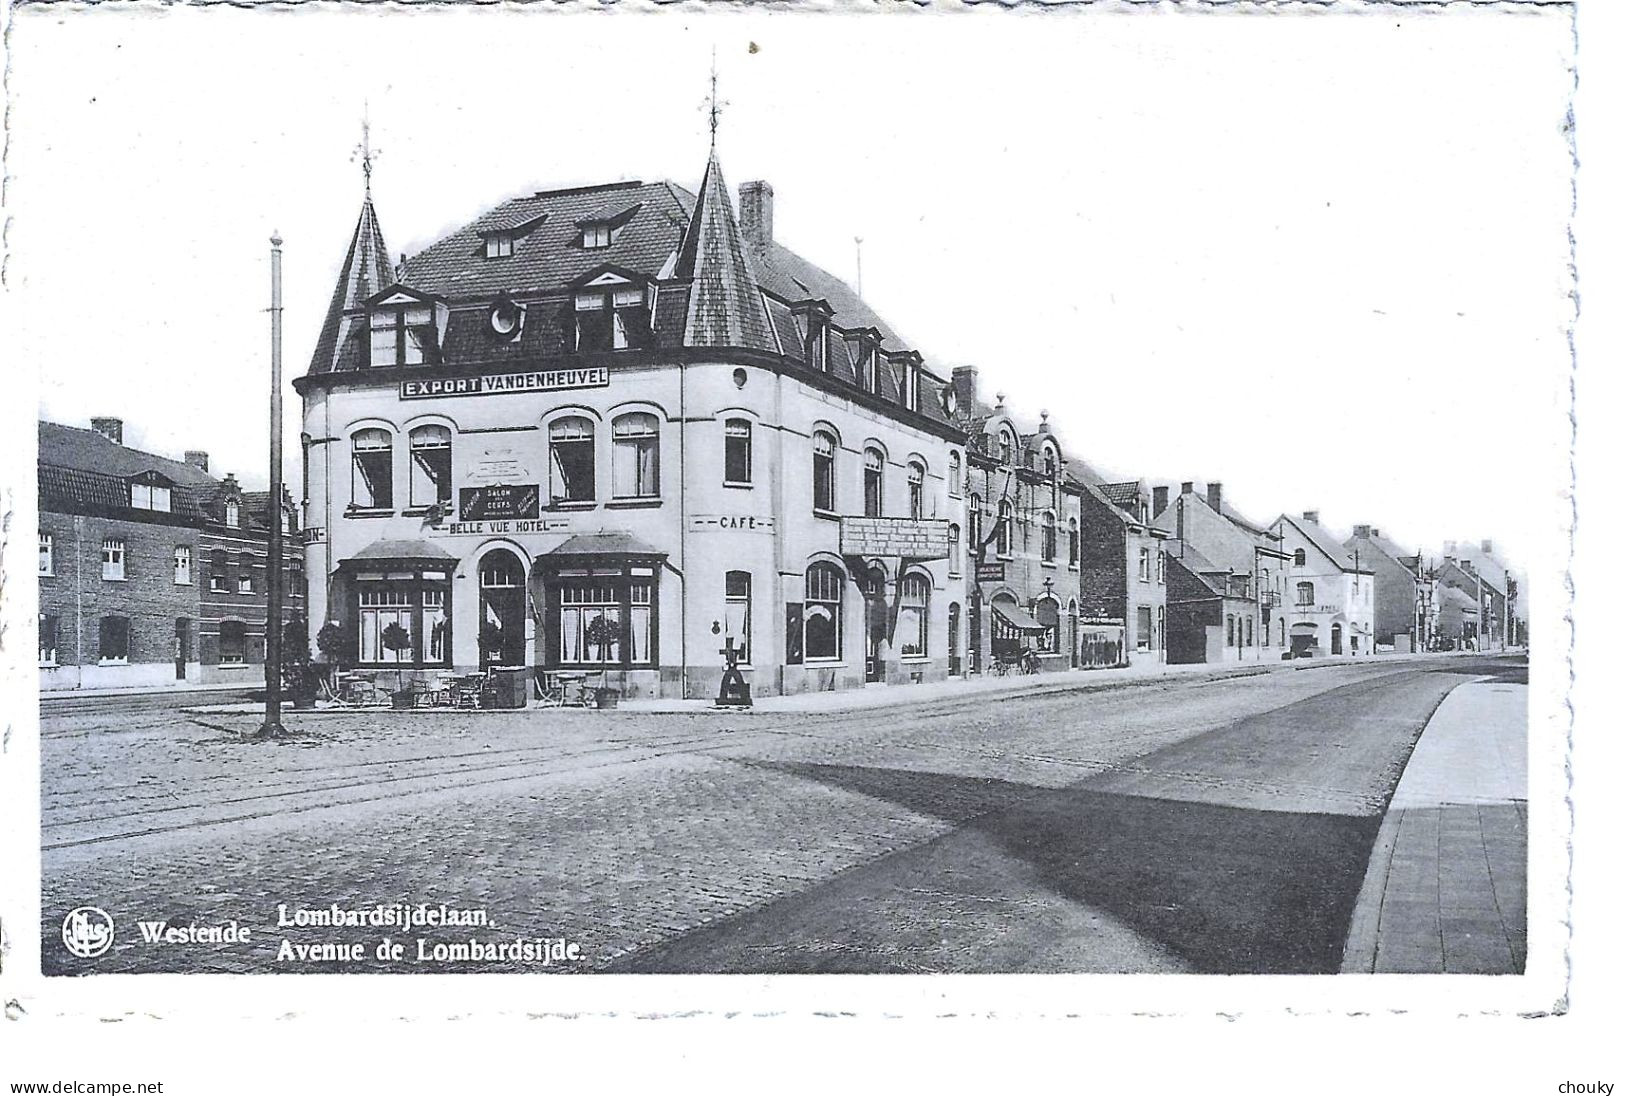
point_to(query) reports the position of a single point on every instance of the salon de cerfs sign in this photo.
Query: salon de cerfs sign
(500, 384)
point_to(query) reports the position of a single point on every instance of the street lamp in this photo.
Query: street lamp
(272, 727)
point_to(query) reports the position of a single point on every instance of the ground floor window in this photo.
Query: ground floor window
(1162, 628)
(403, 623)
(1048, 613)
(913, 617)
(115, 639)
(1142, 630)
(821, 615)
(233, 642)
(47, 640)
(736, 613)
(603, 616)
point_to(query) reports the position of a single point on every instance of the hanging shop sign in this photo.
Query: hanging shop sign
(990, 572)
(499, 384)
(499, 501)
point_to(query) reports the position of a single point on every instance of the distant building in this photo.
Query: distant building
(1401, 589)
(1331, 596)
(1238, 559)
(1124, 568)
(1204, 606)
(1482, 561)
(152, 572)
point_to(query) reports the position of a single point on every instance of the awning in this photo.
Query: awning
(1018, 618)
(605, 544)
(412, 552)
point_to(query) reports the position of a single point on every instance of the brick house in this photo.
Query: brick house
(132, 548)
(1124, 568)
(1203, 608)
(1400, 620)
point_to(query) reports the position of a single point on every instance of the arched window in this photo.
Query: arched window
(570, 459)
(1249, 622)
(1299, 558)
(874, 483)
(431, 466)
(1002, 532)
(1048, 612)
(1047, 543)
(736, 451)
(372, 470)
(636, 456)
(1306, 593)
(234, 515)
(1229, 631)
(953, 549)
(822, 613)
(1051, 464)
(913, 616)
(955, 474)
(916, 489)
(1007, 446)
(1072, 542)
(823, 471)
(973, 515)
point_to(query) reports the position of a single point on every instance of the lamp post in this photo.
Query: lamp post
(272, 727)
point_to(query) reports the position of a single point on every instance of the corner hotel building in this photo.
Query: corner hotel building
(614, 427)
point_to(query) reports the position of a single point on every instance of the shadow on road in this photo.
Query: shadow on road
(1224, 889)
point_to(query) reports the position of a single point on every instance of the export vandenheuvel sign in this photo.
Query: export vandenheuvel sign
(499, 384)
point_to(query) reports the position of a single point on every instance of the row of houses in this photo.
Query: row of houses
(623, 429)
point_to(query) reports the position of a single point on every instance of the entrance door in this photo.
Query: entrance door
(954, 666)
(183, 646)
(502, 610)
(874, 625)
(1337, 639)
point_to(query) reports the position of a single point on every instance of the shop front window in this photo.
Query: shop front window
(736, 613)
(604, 620)
(1048, 613)
(419, 608)
(913, 616)
(822, 615)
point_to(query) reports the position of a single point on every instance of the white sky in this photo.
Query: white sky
(1319, 257)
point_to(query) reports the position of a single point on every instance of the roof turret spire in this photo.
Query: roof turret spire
(725, 301)
(366, 270)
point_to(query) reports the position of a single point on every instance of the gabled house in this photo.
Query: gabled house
(1402, 590)
(1331, 603)
(1123, 566)
(1250, 565)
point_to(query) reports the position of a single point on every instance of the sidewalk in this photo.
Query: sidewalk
(987, 686)
(47, 696)
(1446, 887)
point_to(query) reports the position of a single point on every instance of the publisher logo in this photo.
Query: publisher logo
(87, 932)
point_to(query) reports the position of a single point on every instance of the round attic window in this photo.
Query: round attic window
(506, 318)
(739, 378)
(950, 401)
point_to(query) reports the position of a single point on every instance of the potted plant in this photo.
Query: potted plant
(336, 647)
(493, 638)
(296, 666)
(601, 636)
(397, 639)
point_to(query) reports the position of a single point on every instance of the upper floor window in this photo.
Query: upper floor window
(612, 318)
(916, 489)
(1306, 593)
(1047, 540)
(736, 451)
(595, 234)
(973, 516)
(570, 460)
(498, 245)
(431, 465)
(245, 578)
(113, 558)
(823, 471)
(402, 334)
(183, 565)
(1007, 447)
(1002, 531)
(1050, 465)
(149, 496)
(219, 565)
(953, 551)
(1299, 558)
(47, 554)
(234, 517)
(955, 474)
(1072, 542)
(874, 480)
(1162, 566)
(372, 470)
(636, 455)
(1145, 565)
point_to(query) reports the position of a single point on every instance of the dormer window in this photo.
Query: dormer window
(612, 313)
(234, 516)
(149, 492)
(595, 235)
(498, 245)
(600, 227)
(1007, 447)
(405, 330)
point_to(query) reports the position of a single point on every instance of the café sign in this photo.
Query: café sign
(737, 523)
(500, 384)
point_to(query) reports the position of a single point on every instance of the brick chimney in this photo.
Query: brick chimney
(1488, 547)
(1363, 532)
(198, 459)
(1187, 487)
(756, 215)
(1312, 517)
(109, 427)
(1215, 495)
(965, 388)
(1159, 500)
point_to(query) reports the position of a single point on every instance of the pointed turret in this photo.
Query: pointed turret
(366, 271)
(725, 303)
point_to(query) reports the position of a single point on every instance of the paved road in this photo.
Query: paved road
(1180, 826)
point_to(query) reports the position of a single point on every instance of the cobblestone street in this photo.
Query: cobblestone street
(1219, 825)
